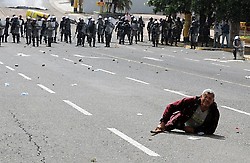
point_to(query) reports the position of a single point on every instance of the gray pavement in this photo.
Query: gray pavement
(84, 104)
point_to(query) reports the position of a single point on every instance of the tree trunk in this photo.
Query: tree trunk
(186, 26)
(234, 31)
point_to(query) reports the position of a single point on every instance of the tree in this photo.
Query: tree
(122, 5)
(232, 10)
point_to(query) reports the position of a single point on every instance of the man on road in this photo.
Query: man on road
(198, 114)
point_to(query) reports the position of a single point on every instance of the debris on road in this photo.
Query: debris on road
(24, 94)
(28, 7)
(6, 84)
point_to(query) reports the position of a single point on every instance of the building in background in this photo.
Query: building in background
(139, 6)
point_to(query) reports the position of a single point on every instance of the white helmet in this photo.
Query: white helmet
(237, 37)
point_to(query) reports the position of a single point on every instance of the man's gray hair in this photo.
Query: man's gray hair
(209, 91)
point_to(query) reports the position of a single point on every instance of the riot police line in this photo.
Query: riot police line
(128, 29)
(33, 30)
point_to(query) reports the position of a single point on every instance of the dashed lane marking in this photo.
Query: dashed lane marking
(22, 55)
(246, 70)
(168, 55)
(86, 65)
(54, 55)
(24, 76)
(185, 72)
(133, 142)
(10, 68)
(109, 72)
(154, 59)
(66, 59)
(129, 47)
(45, 88)
(90, 57)
(239, 111)
(77, 107)
(195, 60)
(220, 65)
(1, 63)
(148, 51)
(136, 80)
(176, 92)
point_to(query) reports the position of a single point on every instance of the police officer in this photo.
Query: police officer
(83, 32)
(140, 29)
(120, 29)
(67, 30)
(6, 29)
(15, 29)
(134, 30)
(50, 30)
(21, 25)
(108, 29)
(78, 32)
(2, 26)
(43, 35)
(126, 31)
(28, 30)
(100, 30)
(56, 28)
(149, 26)
(193, 32)
(155, 32)
(35, 32)
(238, 46)
(91, 30)
(62, 28)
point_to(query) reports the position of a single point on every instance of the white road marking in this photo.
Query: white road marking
(1, 63)
(67, 60)
(133, 142)
(221, 61)
(220, 65)
(77, 107)
(129, 47)
(10, 68)
(246, 70)
(168, 55)
(185, 72)
(148, 51)
(22, 55)
(155, 59)
(176, 92)
(24, 76)
(136, 80)
(211, 59)
(41, 51)
(86, 65)
(195, 60)
(53, 55)
(81, 56)
(239, 111)
(45, 88)
(109, 72)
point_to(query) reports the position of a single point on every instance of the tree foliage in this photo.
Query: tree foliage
(122, 4)
(233, 10)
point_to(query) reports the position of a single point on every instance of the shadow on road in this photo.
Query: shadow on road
(178, 132)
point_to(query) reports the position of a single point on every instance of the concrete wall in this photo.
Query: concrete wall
(139, 6)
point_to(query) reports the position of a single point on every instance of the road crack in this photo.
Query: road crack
(30, 136)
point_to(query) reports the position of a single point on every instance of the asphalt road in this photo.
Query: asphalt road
(75, 104)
